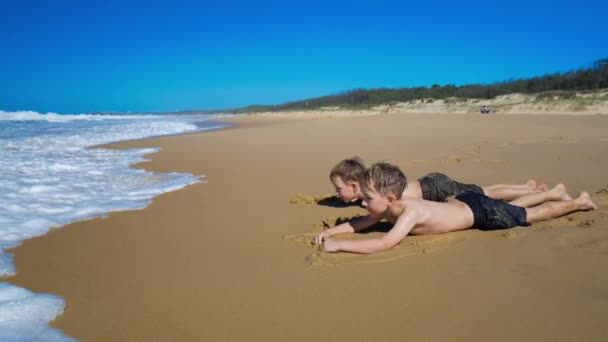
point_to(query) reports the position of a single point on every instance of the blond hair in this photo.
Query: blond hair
(386, 179)
(349, 170)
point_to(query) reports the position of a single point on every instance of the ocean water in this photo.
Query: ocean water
(50, 177)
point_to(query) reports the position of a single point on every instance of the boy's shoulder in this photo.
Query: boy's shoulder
(413, 202)
(412, 206)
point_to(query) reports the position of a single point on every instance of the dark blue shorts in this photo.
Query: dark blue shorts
(493, 214)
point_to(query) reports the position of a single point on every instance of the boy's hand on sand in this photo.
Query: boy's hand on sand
(319, 238)
(330, 246)
(325, 243)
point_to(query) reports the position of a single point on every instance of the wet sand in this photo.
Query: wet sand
(229, 259)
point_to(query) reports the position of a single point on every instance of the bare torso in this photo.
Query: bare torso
(412, 190)
(434, 217)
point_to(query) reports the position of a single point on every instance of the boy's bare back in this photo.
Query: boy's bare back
(432, 217)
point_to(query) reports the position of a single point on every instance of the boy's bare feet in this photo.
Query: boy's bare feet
(531, 183)
(542, 187)
(559, 193)
(584, 202)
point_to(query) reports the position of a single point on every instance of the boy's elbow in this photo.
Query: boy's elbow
(387, 243)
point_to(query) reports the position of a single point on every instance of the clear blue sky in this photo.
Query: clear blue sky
(81, 56)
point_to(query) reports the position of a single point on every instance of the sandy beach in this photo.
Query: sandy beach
(229, 259)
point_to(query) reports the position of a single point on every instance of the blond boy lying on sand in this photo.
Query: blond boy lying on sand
(383, 185)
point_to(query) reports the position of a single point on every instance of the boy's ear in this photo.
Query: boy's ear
(391, 199)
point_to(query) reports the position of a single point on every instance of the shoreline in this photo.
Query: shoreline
(224, 256)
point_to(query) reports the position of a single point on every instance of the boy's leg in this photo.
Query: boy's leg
(558, 193)
(530, 184)
(510, 192)
(559, 208)
(507, 193)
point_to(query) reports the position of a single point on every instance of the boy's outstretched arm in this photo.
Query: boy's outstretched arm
(402, 227)
(351, 226)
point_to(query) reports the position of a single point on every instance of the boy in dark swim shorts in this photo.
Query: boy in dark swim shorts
(493, 214)
(383, 185)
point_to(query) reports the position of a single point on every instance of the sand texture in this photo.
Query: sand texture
(230, 258)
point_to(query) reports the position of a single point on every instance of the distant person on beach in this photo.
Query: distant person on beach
(346, 176)
(383, 185)
(486, 110)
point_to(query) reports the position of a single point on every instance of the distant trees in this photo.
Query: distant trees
(563, 86)
(600, 68)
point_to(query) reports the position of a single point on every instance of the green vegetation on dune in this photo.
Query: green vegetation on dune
(557, 85)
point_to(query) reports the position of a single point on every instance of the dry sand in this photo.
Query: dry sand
(229, 259)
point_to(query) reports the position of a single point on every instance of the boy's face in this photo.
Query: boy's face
(374, 202)
(346, 191)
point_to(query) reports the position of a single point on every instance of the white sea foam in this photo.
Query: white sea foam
(24, 315)
(54, 117)
(49, 177)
